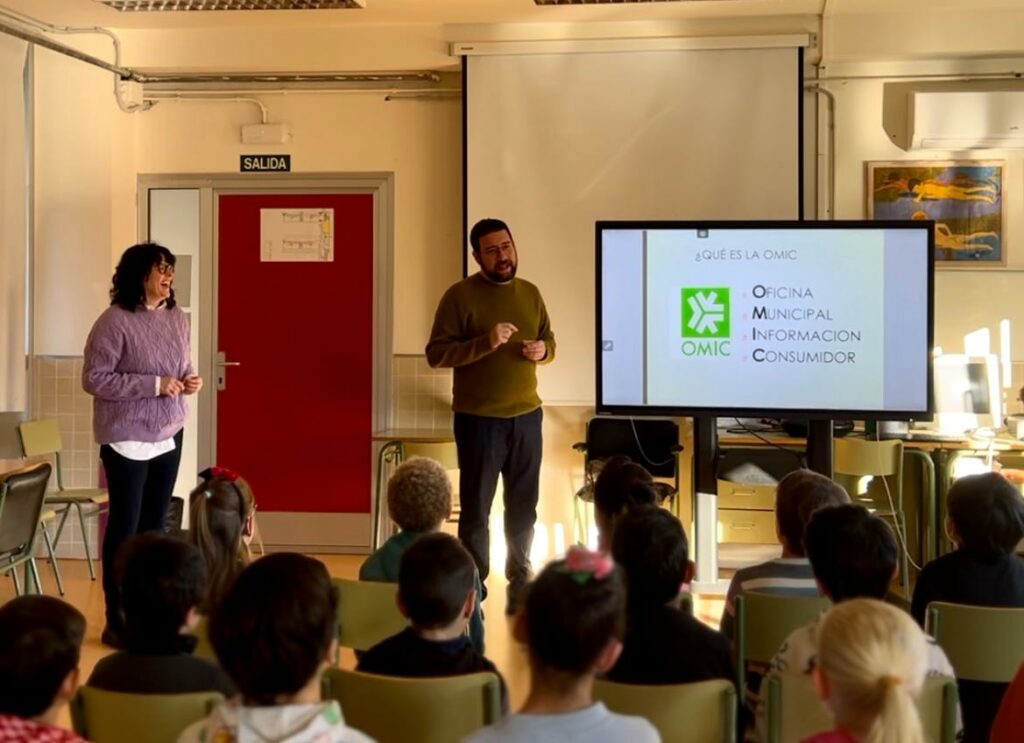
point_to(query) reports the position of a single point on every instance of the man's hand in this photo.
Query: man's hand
(535, 350)
(192, 384)
(171, 387)
(501, 332)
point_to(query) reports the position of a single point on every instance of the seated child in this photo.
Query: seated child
(854, 555)
(274, 634)
(573, 624)
(662, 645)
(621, 484)
(222, 523)
(800, 494)
(871, 666)
(162, 581)
(436, 592)
(985, 519)
(986, 522)
(419, 501)
(40, 644)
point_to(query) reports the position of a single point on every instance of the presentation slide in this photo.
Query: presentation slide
(765, 319)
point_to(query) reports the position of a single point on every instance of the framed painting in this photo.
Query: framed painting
(964, 197)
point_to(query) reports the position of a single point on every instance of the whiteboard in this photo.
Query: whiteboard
(555, 142)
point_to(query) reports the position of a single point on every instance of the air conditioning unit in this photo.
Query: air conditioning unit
(965, 120)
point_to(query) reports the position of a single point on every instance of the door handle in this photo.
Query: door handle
(221, 362)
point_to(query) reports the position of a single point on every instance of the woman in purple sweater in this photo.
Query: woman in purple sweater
(137, 368)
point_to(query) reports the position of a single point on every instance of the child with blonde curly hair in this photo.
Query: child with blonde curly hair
(419, 501)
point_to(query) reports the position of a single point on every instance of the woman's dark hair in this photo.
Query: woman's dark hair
(275, 626)
(40, 643)
(572, 616)
(218, 510)
(128, 290)
(988, 514)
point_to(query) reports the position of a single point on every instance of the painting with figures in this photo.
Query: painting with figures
(964, 197)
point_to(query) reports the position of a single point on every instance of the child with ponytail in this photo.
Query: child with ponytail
(872, 661)
(222, 523)
(572, 625)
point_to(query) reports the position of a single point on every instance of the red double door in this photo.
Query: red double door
(295, 414)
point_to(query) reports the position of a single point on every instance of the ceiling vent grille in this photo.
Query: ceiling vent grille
(129, 6)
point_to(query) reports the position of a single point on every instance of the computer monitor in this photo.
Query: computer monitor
(967, 393)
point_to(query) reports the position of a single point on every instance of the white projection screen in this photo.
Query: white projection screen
(556, 141)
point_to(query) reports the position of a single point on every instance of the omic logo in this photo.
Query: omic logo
(705, 312)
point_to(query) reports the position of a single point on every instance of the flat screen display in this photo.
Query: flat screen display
(824, 319)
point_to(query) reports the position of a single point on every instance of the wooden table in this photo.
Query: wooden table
(936, 458)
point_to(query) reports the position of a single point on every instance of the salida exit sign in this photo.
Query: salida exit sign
(266, 163)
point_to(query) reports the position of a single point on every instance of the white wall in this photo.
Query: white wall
(75, 145)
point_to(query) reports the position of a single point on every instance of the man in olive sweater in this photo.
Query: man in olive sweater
(493, 329)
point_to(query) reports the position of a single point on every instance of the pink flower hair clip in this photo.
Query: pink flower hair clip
(583, 564)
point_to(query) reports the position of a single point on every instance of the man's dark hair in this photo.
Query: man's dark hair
(128, 291)
(40, 644)
(853, 554)
(486, 227)
(275, 626)
(623, 484)
(435, 577)
(571, 617)
(799, 495)
(650, 545)
(162, 578)
(988, 514)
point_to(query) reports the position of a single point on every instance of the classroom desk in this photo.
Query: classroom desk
(936, 459)
(389, 443)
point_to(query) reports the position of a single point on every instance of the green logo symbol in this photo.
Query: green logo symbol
(706, 312)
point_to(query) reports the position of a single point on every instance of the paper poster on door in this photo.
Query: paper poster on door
(296, 235)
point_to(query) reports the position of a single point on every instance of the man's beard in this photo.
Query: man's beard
(500, 278)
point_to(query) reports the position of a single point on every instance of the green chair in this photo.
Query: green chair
(22, 499)
(367, 613)
(702, 712)
(882, 461)
(203, 648)
(114, 717)
(983, 643)
(428, 710)
(794, 711)
(41, 438)
(46, 517)
(764, 621)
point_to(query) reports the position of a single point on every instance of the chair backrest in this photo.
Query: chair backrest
(40, 437)
(867, 458)
(439, 710)
(22, 493)
(764, 621)
(795, 713)
(444, 452)
(702, 712)
(114, 717)
(651, 442)
(367, 613)
(983, 643)
(204, 648)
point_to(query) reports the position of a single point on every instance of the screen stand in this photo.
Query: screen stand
(705, 507)
(819, 447)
